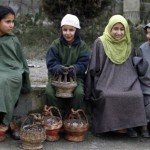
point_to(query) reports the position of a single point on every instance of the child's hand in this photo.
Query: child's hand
(71, 71)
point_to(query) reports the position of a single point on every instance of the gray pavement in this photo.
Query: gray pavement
(105, 142)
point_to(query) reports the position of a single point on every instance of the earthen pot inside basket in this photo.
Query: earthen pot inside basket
(3, 130)
(76, 125)
(32, 133)
(52, 122)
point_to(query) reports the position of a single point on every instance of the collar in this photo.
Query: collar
(76, 41)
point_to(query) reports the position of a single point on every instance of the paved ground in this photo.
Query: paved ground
(105, 142)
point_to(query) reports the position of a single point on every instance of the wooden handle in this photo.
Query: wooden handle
(80, 114)
(48, 111)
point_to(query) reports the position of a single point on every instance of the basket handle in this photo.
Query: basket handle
(26, 118)
(81, 112)
(57, 77)
(37, 117)
(48, 110)
(78, 113)
(74, 114)
(55, 108)
(66, 73)
(74, 73)
(34, 116)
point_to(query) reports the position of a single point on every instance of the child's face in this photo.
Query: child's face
(7, 24)
(148, 34)
(68, 33)
(117, 31)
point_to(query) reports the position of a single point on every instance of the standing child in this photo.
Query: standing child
(112, 82)
(68, 50)
(14, 72)
(142, 62)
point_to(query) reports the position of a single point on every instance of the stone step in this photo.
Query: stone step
(31, 102)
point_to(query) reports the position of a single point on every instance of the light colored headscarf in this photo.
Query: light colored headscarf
(118, 51)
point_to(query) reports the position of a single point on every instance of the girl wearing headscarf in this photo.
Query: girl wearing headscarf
(14, 72)
(112, 83)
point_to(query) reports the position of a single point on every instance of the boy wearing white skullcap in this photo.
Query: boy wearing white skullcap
(68, 50)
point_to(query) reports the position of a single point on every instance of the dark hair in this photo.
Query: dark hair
(5, 10)
(147, 26)
(77, 33)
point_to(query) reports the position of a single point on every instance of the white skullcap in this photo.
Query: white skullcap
(71, 20)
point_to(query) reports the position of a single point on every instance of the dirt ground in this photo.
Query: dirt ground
(38, 72)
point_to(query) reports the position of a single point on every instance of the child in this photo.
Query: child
(68, 50)
(112, 82)
(142, 62)
(14, 72)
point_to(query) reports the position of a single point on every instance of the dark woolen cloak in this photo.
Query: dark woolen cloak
(114, 92)
(142, 63)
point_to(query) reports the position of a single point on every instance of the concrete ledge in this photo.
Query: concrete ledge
(31, 102)
(34, 101)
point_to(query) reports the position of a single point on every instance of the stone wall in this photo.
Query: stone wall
(146, 6)
(22, 6)
(145, 12)
(131, 10)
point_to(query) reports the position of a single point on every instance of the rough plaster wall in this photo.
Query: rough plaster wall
(131, 10)
(22, 6)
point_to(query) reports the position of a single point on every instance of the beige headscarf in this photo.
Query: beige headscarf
(118, 51)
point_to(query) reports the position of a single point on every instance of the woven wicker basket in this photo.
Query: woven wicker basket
(76, 126)
(64, 85)
(52, 122)
(32, 135)
(3, 130)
